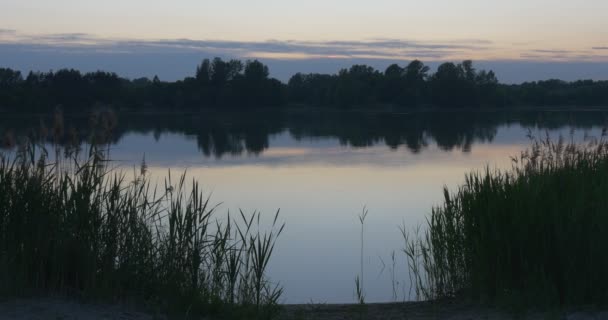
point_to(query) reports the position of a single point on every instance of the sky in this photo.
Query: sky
(520, 39)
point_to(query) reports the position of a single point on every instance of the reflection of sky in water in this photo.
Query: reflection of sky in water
(173, 149)
(306, 165)
(320, 187)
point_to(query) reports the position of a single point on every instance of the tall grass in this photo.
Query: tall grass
(535, 234)
(75, 226)
(359, 283)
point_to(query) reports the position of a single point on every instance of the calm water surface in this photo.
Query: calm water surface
(321, 169)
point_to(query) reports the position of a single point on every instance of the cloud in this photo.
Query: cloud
(553, 51)
(290, 50)
(7, 35)
(562, 55)
(308, 49)
(287, 49)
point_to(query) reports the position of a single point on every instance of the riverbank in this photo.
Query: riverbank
(66, 309)
(447, 309)
(59, 308)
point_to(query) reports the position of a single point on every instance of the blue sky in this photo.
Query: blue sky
(521, 40)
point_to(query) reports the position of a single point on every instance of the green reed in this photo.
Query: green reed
(76, 226)
(535, 234)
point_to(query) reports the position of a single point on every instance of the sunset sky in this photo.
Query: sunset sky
(569, 38)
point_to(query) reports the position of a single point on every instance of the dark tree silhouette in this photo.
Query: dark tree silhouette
(221, 84)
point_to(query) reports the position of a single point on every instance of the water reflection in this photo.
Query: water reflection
(320, 168)
(221, 134)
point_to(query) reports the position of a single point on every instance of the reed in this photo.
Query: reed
(74, 225)
(359, 284)
(535, 234)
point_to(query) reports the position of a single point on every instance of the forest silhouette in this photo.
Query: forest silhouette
(220, 84)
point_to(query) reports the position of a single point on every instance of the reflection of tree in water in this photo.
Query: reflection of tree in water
(216, 134)
(238, 134)
(448, 130)
(219, 134)
(456, 130)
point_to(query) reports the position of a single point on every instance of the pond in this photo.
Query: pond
(321, 169)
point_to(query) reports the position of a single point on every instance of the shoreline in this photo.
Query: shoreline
(312, 109)
(67, 309)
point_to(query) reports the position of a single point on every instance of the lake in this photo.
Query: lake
(320, 169)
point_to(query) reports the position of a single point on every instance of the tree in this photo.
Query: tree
(223, 72)
(10, 83)
(416, 72)
(203, 72)
(9, 78)
(468, 70)
(448, 84)
(416, 75)
(393, 86)
(357, 86)
(255, 71)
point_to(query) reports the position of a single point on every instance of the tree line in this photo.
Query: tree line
(232, 84)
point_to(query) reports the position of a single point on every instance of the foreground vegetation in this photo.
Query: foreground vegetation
(534, 235)
(219, 84)
(71, 225)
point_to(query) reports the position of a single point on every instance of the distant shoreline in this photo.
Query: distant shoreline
(314, 109)
(236, 84)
